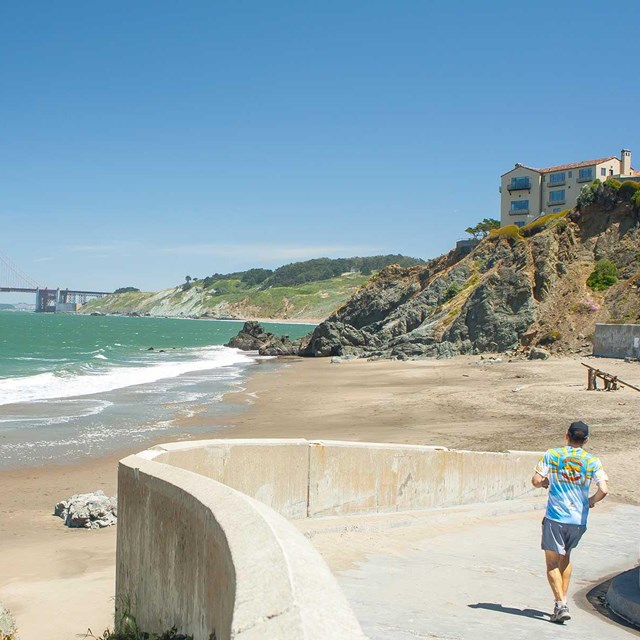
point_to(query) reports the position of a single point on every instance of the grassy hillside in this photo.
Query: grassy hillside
(308, 290)
(231, 298)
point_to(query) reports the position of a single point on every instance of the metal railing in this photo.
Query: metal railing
(519, 186)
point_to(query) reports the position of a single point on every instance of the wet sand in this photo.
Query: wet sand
(59, 582)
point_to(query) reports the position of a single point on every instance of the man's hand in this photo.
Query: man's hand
(539, 482)
(602, 491)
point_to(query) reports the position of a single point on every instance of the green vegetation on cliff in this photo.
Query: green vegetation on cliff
(309, 290)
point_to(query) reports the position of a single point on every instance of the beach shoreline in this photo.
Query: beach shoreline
(464, 403)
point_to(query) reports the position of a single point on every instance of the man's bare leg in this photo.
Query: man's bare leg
(565, 570)
(555, 574)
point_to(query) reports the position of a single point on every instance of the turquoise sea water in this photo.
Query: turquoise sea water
(73, 385)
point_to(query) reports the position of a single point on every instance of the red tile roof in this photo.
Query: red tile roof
(576, 165)
(562, 167)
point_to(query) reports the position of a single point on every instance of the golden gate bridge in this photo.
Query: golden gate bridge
(12, 280)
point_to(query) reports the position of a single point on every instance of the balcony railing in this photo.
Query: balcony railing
(555, 202)
(588, 178)
(524, 185)
(519, 212)
(558, 182)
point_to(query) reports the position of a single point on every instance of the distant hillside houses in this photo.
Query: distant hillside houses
(527, 193)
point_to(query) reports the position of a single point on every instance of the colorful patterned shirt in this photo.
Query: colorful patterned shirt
(570, 471)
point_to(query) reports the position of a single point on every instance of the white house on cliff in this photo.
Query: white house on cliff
(527, 192)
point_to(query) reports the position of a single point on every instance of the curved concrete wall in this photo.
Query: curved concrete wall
(200, 544)
(302, 479)
(208, 559)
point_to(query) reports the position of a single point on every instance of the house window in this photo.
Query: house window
(556, 197)
(570, 173)
(519, 223)
(603, 171)
(557, 179)
(519, 207)
(520, 183)
(585, 175)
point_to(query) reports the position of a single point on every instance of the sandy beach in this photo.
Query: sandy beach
(59, 582)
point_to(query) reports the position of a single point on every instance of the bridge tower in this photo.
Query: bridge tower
(46, 300)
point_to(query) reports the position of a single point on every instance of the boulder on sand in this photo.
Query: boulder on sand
(7, 624)
(539, 354)
(88, 510)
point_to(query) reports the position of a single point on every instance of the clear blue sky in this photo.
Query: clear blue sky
(144, 141)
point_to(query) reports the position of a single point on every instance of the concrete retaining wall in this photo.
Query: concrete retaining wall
(301, 479)
(206, 558)
(275, 472)
(347, 477)
(617, 341)
(196, 550)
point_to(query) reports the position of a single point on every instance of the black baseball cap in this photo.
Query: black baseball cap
(579, 430)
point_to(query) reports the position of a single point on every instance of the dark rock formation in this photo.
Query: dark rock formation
(538, 353)
(511, 292)
(252, 337)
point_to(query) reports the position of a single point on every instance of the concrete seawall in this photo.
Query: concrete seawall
(217, 564)
(200, 544)
(617, 341)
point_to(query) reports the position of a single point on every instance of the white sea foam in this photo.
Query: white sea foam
(99, 356)
(50, 385)
(78, 409)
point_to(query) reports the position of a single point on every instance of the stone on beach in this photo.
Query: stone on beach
(538, 353)
(7, 624)
(88, 510)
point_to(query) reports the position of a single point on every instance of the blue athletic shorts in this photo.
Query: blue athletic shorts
(559, 537)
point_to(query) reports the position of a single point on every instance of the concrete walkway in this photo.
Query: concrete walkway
(472, 573)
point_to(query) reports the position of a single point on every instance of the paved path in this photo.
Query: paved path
(473, 573)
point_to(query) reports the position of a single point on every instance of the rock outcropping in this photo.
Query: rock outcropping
(88, 510)
(518, 289)
(252, 337)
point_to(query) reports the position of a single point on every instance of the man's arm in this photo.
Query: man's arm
(602, 491)
(540, 482)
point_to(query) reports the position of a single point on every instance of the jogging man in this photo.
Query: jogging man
(568, 473)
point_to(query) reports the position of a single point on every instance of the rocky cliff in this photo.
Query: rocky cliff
(517, 289)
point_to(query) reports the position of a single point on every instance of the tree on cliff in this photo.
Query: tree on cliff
(481, 230)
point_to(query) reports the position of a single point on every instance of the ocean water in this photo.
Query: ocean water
(73, 386)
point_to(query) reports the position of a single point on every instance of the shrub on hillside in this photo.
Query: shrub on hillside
(586, 196)
(635, 200)
(255, 277)
(542, 223)
(604, 194)
(510, 231)
(550, 337)
(628, 190)
(452, 291)
(123, 290)
(588, 305)
(603, 276)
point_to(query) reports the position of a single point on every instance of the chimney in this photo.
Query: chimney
(625, 162)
